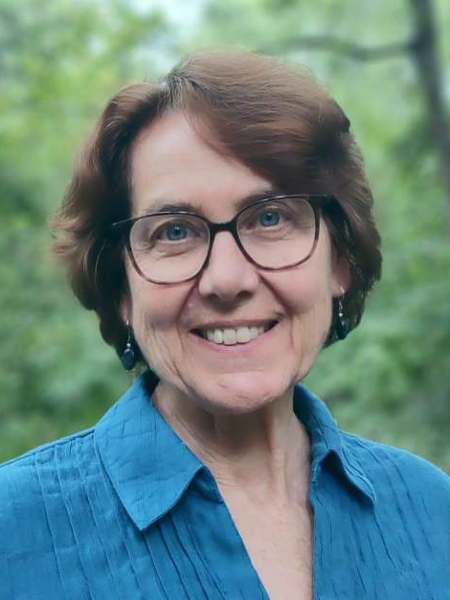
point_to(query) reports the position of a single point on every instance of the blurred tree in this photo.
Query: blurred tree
(59, 62)
(425, 54)
(422, 47)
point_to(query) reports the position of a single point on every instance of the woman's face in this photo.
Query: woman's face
(170, 163)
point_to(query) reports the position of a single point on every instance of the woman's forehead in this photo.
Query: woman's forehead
(172, 165)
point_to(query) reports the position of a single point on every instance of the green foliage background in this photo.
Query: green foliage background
(61, 60)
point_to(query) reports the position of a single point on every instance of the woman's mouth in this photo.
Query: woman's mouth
(236, 335)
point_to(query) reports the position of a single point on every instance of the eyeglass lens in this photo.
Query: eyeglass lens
(275, 234)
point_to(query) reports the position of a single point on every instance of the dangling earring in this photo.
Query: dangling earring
(341, 324)
(128, 356)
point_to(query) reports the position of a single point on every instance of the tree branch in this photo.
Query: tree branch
(422, 48)
(349, 49)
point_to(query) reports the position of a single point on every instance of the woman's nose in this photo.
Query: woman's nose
(229, 274)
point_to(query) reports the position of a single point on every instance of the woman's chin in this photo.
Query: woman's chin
(241, 393)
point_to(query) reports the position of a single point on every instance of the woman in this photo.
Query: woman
(219, 223)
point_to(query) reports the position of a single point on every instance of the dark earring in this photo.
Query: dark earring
(128, 356)
(341, 324)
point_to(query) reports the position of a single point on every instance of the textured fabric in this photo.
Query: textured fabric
(126, 511)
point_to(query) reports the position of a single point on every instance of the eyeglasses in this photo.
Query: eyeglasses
(174, 246)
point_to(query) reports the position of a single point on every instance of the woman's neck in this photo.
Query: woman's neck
(264, 453)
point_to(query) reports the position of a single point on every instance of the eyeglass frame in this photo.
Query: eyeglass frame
(316, 201)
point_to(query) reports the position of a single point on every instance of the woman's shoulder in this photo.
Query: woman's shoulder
(45, 451)
(399, 471)
(50, 498)
(26, 478)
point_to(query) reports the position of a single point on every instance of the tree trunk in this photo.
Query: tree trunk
(425, 56)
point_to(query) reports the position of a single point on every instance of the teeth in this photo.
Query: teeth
(230, 337)
(243, 335)
(255, 331)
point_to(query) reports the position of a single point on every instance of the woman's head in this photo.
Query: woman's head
(271, 119)
(233, 335)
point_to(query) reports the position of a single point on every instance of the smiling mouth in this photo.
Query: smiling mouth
(232, 336)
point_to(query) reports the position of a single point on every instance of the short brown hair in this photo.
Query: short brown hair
(274, 118)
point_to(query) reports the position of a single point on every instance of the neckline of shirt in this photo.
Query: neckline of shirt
(150, 467)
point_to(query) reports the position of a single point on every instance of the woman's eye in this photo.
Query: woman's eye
(269, 218)
(175, 232)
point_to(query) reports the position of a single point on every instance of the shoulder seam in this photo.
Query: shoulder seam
(44, 447)
(385, 451)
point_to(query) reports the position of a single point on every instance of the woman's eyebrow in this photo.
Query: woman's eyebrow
(259, 195)
(164, 205)
(169, 206)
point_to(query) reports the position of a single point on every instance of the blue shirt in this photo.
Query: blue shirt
(126, 511)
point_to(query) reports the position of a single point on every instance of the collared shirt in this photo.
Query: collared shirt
(126, 511)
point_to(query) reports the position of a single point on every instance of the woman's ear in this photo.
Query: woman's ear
(125, 309)
(342, 278)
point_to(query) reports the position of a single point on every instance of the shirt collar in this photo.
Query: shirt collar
(150, 467)
(329, 448)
